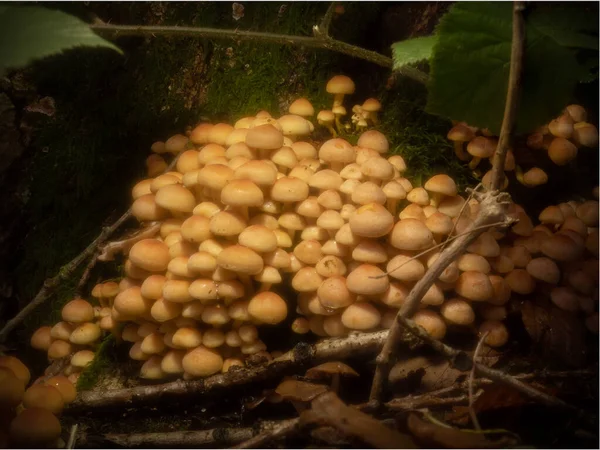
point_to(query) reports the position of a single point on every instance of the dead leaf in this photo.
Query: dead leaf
(433, 435)
(435, 372)
(329, 409)
(497, 396)
(559, 334)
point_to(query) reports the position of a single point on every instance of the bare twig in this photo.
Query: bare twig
(493, 207)
(303, 354)
(512, 96)
(472, 379)
(67, 270)
(321, 42)
(86, 274)
(124, 245)
(460, 213)
(72, 437)
(272, 432)
(322, 30)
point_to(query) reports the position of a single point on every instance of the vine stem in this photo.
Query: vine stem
(320, 41)
(493, 208)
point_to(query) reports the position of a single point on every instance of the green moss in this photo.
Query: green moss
(103, 360)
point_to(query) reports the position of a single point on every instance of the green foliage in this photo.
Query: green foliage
(103, 358)
(33, 32)
(470, 61)
(412, 51)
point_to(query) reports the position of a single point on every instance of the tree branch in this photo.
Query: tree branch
(67, 270)
(321, 42)
(493, 208)
(512, 96)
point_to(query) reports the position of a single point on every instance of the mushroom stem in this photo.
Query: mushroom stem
(263, 154)
(474, 162)
(338, 100)
(335, 382)
(332, 234)
(264, 287)
(460, 152)
(247, 282)
(338, 124)
(337, 166)
(435, 198)
(292, 233)
(392, 205)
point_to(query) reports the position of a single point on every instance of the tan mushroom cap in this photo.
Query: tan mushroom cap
(130, 302)
(457, 311)
(85, 334)
(150, 254)
(367, 279)
(264, 137)
(325, 179)
(43, 396)
(82, 358)
(294, 125)
(176, 143)
(62, 330)
(202, 362)
(240, 259)
(369, 251)
(372, 221)
(175, 198)
(475, 286)
(520, 281)
(333, 293)
(585, 134)
(77, 311)
(225, 223)
(219, 132)
(302, 107)
(361, 316)
(472, 262)
(340, 84)
(368, 192)
(441, 184)
(419, 196)
(215, 176)
(258, 238)
(562, 151)
(337, 151)
(411, 234)
(432, 322)
(544, 269)
(268, 307)
(242, 193)
(41, 338)
(460, 133)
(34, 428)
(561, 247)
(289, 189)
(405, 268)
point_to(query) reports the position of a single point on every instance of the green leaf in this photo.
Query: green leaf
(569, 26)
(412, 50)
(33, 32)
(470, 66)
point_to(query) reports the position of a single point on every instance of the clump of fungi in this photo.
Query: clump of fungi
(256, 204)
(561, 139)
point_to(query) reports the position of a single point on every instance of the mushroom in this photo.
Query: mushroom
(340, 85)
(480, 148)
(34, 428)
(371, 106)
(333, 370)
(460, 134)
(562, 151)
(326, 118)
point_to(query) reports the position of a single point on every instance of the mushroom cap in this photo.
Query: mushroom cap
(361, 316)
(289, 189)
(225, 223)
(333, 293)
(299, 391)
(242, 193)
(258, 238)
(432, 322)
(176, 143)
(369, 251)
(337, 150)
(325, 179)
(520, 281)
(237, 136)
(163, 310)
(377, 167)
(130, 302)
(411, 234)
(77, 311)
(371, 105)
(308, 251)
(82, 358)
(34, 427)
(372, 221)
(215, 176)
(41, 338)
(202, 362)
(196, 229)
(585, 134)
(293, 125)
(457, 311)
(306, 279)
(472, 262)
(302, 107)
(43, 396)
(304, 150)
(475, 286)
(419, 196)
(175, 197)
(561, 151)
(325, 116)
(62, 330)
(11, 388)
(340, 84)
(441, 184)
(85, 334)
(238, 258)
(367, 279)
(150, 254)
(405, 268)
(152, 287)
(544, 269)
(64, 386)
(368, 192)
(497, 333)
(268, 307)
(460, 133)
(481, 147)
(264, 137)
(439, 223)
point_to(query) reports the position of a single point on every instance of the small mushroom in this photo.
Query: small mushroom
(333, 370)
(326, 118)
(299, 393)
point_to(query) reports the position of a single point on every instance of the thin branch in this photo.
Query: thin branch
(512, 96)
(87, 274)
(365, 344)
(460, 213)
(72, 437)
(323, 28)
(272, 432)
(67, 270)
(493, 206)
(322, 42)
(471, 381)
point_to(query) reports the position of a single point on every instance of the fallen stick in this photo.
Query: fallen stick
(356, 344)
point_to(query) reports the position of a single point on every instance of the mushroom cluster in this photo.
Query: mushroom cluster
(253, 205)
(561, 139)
(29, 416)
